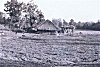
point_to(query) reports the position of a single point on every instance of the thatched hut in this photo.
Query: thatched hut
(46, 27)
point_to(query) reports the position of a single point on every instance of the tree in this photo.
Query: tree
(65, 23)
(13, 8)
(98, 21)
(40, 15)
(72, 22)
(34, 15)
(57, 22)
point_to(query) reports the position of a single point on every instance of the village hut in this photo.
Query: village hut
(46, 27)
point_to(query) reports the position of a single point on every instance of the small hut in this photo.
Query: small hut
(46, 27)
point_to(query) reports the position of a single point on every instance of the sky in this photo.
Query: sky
(79, 10)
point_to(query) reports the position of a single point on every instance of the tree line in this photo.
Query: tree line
(88, 25)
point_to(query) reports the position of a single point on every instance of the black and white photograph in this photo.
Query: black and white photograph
(49, 33)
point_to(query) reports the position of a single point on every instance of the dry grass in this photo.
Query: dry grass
(51, 49)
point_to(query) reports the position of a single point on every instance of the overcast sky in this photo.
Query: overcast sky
(79, 10)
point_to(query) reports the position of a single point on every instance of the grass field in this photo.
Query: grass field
(52, 49)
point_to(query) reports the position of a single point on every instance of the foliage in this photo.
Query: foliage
(33, 14)
(89, 25)
(14, 10)
(23, 15)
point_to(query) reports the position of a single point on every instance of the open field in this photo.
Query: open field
(53, 50)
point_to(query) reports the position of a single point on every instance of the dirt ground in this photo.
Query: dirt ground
(51, 49)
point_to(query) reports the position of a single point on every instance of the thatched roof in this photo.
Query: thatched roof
(45, 25)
